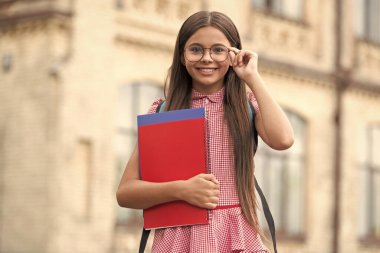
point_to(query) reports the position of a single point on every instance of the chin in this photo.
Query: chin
(209, 86)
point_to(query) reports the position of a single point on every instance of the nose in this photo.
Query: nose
(206, 55)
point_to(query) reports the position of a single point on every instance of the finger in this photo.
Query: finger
(213, 184)
(214, 200)
(244, 57)
(232, 57)
(210, 177)
(210, 205)
(205, 176)
(234, 52)
(239, 54)
(215, 181)
(212, 193)
(217, 192)
(233, 49)
(236, 60)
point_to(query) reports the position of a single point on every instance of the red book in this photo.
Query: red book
(173, 146)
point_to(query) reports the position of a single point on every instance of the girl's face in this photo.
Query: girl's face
(207, 74)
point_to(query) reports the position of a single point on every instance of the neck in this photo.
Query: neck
(208, 90)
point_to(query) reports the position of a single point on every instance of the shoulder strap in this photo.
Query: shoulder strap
(268, 215)
(161, 106)
(144, 240)
(264, 203)
(267, 212)
(252, 115)
(145, 232)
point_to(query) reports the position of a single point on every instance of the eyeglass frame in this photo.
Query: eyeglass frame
(204, 50)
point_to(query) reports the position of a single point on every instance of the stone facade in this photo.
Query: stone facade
(63, 64)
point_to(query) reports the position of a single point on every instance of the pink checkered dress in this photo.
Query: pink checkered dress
(227, 230)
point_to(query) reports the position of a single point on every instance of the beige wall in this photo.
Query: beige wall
(28, 126)
(361, 110)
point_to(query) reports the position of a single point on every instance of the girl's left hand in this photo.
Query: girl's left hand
(244, 63)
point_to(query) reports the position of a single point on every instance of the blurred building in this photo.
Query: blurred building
(75, 73)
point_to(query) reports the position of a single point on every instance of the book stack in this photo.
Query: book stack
(173, 146)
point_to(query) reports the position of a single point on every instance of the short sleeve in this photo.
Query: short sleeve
(252, 99)
(154, 106)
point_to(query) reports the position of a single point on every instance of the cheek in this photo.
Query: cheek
(189, 69)
(189, 66)
(225, 67)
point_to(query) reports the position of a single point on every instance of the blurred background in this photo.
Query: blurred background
(75, 73)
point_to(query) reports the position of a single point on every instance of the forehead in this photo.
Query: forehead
(208, 36)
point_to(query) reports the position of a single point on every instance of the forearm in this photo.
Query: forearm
(140, 194)
(277, 128)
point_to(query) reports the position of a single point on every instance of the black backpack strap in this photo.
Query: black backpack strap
(145, 232)
(144, 240)
(264, 203)
(268, 215)
(252, 115)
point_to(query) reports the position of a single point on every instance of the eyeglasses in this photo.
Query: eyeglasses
(195, 53)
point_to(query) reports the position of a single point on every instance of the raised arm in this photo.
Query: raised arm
(271, 122)
(201, 190)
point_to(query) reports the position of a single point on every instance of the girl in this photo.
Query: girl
(210, 69)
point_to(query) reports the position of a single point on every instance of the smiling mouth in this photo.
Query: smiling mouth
(207, 70)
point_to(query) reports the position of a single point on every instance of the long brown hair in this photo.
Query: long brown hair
(178, 87)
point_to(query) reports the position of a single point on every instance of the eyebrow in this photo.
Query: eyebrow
(213, 45)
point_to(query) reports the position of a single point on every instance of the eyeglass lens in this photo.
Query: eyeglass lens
(195, 53)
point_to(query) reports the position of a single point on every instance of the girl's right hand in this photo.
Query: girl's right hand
(201, 190)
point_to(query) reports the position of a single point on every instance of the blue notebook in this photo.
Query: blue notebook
(185, 114)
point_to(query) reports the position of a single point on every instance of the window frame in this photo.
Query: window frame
(370, 237)
(367, 26)
(269, 8)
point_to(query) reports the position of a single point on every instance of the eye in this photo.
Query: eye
(219, 50)
(195, 50)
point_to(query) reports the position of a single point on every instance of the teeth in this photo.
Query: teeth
(207, 70)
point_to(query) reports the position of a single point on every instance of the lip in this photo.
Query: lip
(207, 71)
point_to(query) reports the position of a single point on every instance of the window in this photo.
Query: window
(7, 61)
(133, 99)
(370, 187)
(119, 4)
(281, 176)
(367, 24)
(292, 9)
